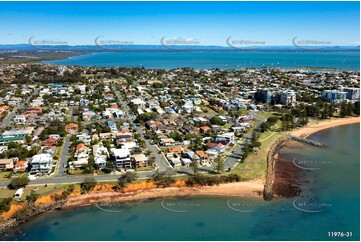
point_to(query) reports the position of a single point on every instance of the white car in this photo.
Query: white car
(32, 177)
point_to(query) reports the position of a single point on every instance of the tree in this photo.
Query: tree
(356, 108)
(344, 110)
(219, 164)
(87, 168)
(88, 184)
(197, 143)
(19, 182)
(125, 179)
(264, 127)
(216, 120)
(32, 197)
(28, 139)
(5, 204)
(194, 166)
(163, 178)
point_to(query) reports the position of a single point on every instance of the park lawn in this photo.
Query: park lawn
(267, 115)
(3, 175)
(255, 165)
(40, 189)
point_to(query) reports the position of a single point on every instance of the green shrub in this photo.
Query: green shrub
(5, 204)
(19, 182)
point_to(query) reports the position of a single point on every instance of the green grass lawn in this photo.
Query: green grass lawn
(3, 175)
(40, 189)
(255, 165)
(267, 115)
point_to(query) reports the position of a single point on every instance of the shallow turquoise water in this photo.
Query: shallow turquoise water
(222, 60)
(334, 188)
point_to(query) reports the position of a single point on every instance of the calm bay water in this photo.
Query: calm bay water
(222, 60)
(329, 202)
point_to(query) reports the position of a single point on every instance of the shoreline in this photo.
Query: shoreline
(249, 189)
(253, 188)
(317, 126)
(283, 176)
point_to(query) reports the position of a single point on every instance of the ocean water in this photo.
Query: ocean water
(329, 203)
(221, 60)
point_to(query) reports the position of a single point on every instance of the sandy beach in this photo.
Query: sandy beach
(314, 127)
(285, 175)
(252, 188)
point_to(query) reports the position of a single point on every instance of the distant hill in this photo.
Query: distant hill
(114, 48)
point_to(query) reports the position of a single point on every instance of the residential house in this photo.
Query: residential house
(6, 164)
(20, 119)
(229, 137)
(41, 163)
(100, 154)
(190, 155)
(21, 166)
(84, 137)
(3, 148)
(113, 126)
(203, 157)
(167, 142)
(140, 160)
(121, 158)
(205, 130)
(155, 125)
(82, 155)
(71, 128)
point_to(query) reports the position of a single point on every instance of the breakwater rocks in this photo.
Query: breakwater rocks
(8, 227)
(306, 141)
(271, 161)
(286, 182)
(282, 175)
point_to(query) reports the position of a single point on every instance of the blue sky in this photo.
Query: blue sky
(210, 23)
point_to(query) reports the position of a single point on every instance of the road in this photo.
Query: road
(78, 179)
(72, 116)
(233, 159)
(160, 161)
(64, 157)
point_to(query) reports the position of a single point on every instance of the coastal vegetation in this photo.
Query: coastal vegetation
(207, 180)
(19, 182)
(163, 178)
(124, 180)
(5, 204)
(88, 184)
